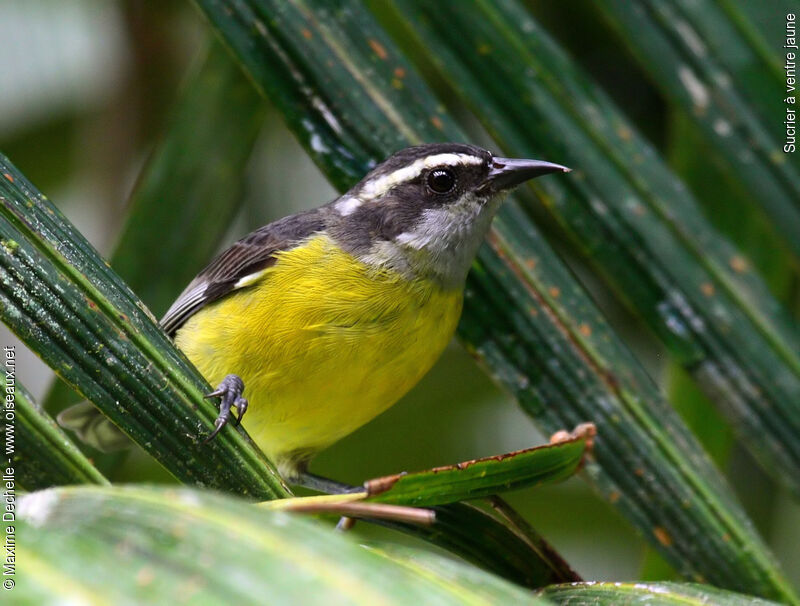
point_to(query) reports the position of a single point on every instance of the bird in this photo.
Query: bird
(327, 317)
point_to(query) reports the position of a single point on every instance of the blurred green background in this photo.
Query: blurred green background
(93, 83)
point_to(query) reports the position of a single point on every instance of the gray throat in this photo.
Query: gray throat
(441, 246)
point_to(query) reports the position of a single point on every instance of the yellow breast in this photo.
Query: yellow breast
(323, 343)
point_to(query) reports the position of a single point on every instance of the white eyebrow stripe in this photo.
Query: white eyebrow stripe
(375, 188)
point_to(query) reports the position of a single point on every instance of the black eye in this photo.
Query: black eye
(441, 180)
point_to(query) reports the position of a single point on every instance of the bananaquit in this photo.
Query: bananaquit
(329, 316)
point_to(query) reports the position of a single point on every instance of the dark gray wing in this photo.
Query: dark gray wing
(251, 254)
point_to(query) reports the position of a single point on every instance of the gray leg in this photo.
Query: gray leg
(230, 391)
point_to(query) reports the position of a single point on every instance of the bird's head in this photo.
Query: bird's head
(425, 210)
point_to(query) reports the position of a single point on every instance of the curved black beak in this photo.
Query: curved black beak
(506, 173)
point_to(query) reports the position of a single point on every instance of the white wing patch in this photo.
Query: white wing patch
(195, 297)
(249, 279)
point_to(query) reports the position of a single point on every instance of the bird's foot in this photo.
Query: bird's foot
(230, 394)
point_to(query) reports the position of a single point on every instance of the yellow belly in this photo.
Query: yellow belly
(323, 343)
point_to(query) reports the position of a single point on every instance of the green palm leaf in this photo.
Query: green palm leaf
(352, 98)
(179, 545)
(709, 61)
(631, 217)
(64, 301)
(42, 455)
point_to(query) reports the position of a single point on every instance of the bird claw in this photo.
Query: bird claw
(241, 405)
(230, 392)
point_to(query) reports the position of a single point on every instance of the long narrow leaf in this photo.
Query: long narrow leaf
(40, 452)
(64, 301)
(469, 480)
(188, 190)
(181, 545)
(485, 477)
(424, 563)
(699, 56)
(351, 99)
(653, 594)
(631, 216)
(191, 186)
(500, 542)
(513, 551)
(192, 178)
